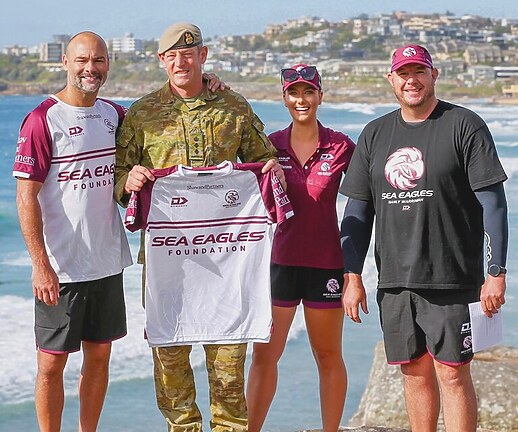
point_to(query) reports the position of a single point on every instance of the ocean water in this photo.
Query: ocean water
(130, 403)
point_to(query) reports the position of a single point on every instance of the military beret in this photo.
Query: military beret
(179, 35)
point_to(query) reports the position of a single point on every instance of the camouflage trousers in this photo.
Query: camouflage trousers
(176, 392)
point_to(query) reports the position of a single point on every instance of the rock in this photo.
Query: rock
(495, 376)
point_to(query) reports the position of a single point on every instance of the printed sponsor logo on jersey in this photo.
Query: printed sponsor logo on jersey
(278, 190)
(404, 167)
(283, 161)
(232, 198)
(326, 156)
(88, 116)
(25, 160)
(21, 140)
(325, 169)
(179, 201)
(205, 186)
(75, 131)
(282, 200)
(110, 126)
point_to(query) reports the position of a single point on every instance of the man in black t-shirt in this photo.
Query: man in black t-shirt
(430, 173)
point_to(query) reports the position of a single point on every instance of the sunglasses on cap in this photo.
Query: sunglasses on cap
(307, 73)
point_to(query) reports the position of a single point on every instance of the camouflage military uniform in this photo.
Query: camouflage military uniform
(161, 130)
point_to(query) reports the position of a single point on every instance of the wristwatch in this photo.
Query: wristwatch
(496, 270)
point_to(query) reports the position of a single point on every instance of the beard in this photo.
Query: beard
(413, 102)
(88, 87)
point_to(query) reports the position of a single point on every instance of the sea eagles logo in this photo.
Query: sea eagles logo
(403, 167)
(109, 125)
(325, 167)
(232, 196)
(332, 286)
(409, 52)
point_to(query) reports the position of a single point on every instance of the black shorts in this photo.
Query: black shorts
(433, 320)
(317, 288)
(92, 311)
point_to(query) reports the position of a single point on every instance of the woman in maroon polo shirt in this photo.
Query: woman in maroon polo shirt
(307, 263)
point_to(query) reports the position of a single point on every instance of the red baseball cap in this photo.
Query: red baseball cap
(300, 73)
(411, 54)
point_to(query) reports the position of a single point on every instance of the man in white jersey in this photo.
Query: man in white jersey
(65, 168)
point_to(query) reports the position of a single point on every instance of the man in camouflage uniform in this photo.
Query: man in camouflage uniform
(185, 123)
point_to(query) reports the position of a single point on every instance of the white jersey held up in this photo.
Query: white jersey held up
(71, 150)
(208, 237)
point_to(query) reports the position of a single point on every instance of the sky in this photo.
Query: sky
(30, 22)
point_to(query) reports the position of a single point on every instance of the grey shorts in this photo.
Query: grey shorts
(433, 320)
(315, 287)
(92, 311)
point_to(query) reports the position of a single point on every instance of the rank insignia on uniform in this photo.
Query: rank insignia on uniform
(188, 38)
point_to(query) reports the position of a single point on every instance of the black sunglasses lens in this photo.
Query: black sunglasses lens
(290, 75)
(308, 73)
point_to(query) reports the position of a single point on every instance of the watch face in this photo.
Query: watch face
(495, 270)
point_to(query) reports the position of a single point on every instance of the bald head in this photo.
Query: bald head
(83, 36)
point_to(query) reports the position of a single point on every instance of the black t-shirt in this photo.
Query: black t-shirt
(421, 178)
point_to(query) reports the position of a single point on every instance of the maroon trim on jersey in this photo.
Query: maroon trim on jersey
(261, 220)
(34, 148)
(77, 157)
(121, 111)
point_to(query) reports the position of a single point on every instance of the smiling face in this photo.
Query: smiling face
(302, 101)
(184, 69)
(414, 86)
(86, 62)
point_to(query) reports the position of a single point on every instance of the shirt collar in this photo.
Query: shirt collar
(323, 137)
(167, 96)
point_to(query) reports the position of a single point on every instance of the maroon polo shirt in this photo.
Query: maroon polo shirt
(311, 238)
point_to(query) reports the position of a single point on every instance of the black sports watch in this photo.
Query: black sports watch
(496, 270)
